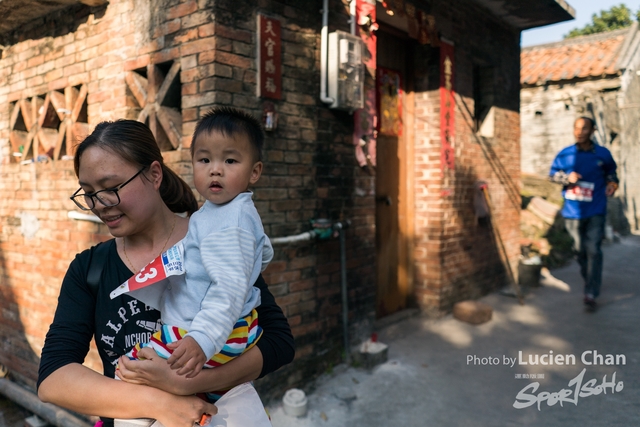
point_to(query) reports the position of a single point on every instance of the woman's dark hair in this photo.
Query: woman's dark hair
(134, 142)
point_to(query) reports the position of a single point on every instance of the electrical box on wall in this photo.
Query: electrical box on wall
(345, 71)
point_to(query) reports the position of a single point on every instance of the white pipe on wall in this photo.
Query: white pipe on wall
(324, 42)
(84, 217)
(352, 12)
(307, 235)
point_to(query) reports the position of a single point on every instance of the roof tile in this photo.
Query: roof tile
(580, 57)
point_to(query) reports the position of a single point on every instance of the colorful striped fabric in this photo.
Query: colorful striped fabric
(245, 334)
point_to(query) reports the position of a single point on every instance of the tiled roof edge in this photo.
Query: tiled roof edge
(583, 39)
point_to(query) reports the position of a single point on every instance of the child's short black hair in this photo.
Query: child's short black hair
(229, 122)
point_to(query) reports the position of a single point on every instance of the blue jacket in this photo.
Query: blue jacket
(587, 197)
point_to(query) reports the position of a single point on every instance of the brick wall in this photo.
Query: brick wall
(37, 243)
(65, 49)
(310, 169)
(38, 240)
(456, 256)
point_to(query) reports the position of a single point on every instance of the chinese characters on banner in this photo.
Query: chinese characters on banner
(447, 106)
(269, 58)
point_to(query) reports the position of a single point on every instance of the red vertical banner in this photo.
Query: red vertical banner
(269, 58)
(447, 106)
(365, 119)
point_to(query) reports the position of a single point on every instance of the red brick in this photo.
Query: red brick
(134, 64)
(181, 10)
(166, 28)
(35, 61)
(206, 30)
(232, 33)
(186, 36)
(164, 55)
(198, 46)
(207, 57)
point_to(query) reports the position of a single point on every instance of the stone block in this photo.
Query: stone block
(370, 354)
(473, 312)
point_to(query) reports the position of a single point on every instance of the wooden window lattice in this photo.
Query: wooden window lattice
(156, 89)
(49, 125)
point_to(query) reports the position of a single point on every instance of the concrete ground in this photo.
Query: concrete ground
(448, 373)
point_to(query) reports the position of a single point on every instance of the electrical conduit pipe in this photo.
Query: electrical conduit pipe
(324, 47)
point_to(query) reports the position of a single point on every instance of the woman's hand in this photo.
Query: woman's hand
(186, 411)
(154, 371)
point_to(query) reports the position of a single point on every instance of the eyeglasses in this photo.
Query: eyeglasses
(108, 197)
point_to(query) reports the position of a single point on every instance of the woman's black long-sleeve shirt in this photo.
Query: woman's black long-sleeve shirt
(120, 323)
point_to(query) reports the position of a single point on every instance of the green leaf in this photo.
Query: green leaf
(613, 19)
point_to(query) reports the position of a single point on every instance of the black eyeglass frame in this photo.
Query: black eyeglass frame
(95, 196)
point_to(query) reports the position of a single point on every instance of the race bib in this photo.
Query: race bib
(581, 191)
(170, 263)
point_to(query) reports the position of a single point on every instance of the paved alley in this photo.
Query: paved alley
(448, 373)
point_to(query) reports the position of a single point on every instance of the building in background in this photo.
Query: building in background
(597, 76)
(440, 87)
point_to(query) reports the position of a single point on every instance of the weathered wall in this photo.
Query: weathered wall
(66, 49)
(456, 256)
(37, 242)
(310, 169)
(549, 111)
(629, 147)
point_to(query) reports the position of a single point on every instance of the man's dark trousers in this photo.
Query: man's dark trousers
(588, 234)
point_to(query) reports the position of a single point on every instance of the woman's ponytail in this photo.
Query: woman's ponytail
(176, 193)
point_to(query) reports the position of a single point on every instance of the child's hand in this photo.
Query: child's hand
(188, 358)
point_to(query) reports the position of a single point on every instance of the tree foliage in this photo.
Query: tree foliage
(613, 19)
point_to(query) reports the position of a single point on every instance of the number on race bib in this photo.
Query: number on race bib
(150, 275)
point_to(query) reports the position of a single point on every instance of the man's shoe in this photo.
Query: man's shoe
(590, 302)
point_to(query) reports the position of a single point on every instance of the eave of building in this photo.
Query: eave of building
(526, 14)
(609, 82)
(16, 13)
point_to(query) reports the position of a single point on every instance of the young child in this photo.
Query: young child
(212, 306)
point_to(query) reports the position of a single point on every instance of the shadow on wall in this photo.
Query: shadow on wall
(479, 264)
(55, 24)
(16, 352)
(20, 262)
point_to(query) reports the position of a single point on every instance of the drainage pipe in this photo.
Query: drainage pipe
(28, 400)
(324, 43)
(310, 235)
(307, 235)
(343, 285)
